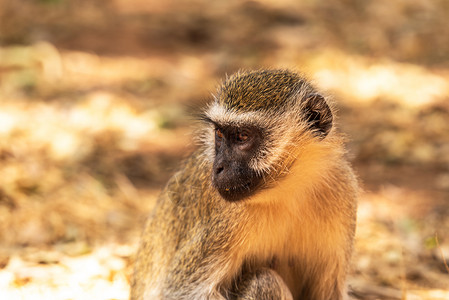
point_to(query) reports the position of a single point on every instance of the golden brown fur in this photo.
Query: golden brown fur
(291, 239)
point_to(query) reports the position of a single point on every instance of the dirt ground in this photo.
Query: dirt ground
(96, 104)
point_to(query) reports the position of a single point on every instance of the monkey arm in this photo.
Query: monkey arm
(263, 284)
(203, 280)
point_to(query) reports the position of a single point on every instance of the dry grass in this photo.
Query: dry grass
(94, 107)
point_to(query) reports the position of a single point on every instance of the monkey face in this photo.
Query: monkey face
(258, 118)
(232, 176)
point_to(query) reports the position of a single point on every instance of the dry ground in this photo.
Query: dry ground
(95, 99)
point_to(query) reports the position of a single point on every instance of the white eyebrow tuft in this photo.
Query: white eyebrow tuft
(223, 116)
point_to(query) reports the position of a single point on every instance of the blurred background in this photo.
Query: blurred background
(95, 105)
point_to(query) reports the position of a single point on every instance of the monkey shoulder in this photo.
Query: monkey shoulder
(188, 205)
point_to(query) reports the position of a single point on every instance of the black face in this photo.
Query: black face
(234, 148)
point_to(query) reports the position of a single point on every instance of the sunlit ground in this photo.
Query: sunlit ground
(48, 147)
(87, 141)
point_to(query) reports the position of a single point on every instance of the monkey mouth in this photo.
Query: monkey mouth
(237, 192)
(236, 187)
(245, 186)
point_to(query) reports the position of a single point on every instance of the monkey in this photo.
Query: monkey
(264, 208)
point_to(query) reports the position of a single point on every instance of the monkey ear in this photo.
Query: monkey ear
(318, 115)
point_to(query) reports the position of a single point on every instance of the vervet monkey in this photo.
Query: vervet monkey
(264, 209)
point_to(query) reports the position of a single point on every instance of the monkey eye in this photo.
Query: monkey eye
(218, 134)
(242, 136)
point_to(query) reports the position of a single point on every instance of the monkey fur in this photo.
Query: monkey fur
(264, 209)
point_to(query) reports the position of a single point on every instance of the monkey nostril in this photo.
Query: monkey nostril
(218, 170)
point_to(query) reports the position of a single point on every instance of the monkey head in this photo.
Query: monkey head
(257, 121)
